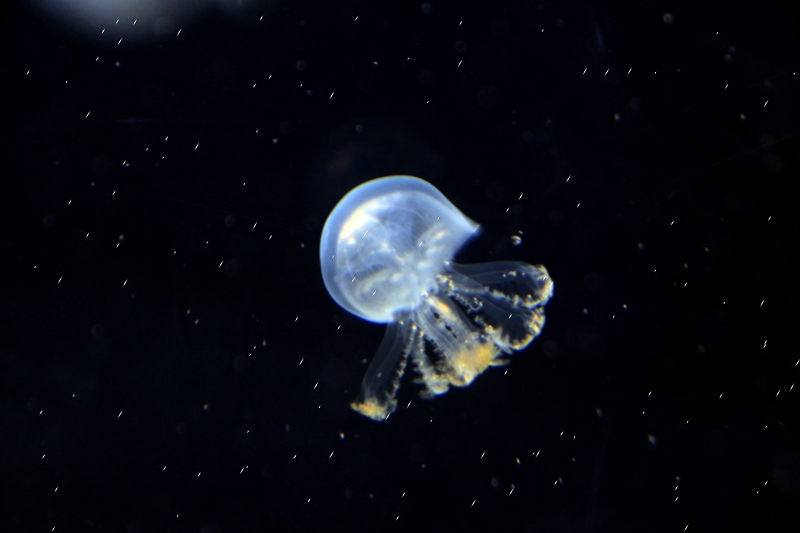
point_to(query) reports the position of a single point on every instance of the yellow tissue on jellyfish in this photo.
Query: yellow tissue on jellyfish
(386, 256)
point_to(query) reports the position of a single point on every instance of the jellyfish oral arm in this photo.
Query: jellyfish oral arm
(378, 396)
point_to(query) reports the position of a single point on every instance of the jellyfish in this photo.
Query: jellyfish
(386, 255)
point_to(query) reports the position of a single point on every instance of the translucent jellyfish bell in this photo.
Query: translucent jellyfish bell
(386, 253)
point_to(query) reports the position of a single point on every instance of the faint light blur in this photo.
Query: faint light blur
(139, 22)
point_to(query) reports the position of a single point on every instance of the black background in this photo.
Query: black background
(171, 361)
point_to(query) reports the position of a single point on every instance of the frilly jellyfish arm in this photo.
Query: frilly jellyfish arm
(506, 299)
(377, 399)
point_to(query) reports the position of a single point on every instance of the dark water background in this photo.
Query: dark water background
(171, 361)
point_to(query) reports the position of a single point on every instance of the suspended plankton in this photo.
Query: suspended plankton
(386, 256)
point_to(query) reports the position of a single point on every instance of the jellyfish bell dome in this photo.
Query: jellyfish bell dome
(385, 243)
